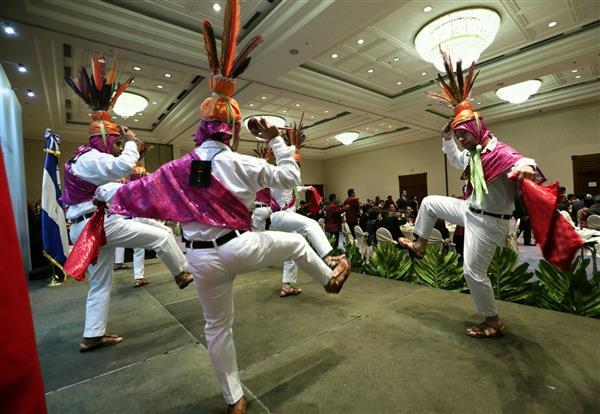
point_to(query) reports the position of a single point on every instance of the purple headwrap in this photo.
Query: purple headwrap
(476, 127)
(216, 131)
(97, 143)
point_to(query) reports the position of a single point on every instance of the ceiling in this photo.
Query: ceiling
(376, 87)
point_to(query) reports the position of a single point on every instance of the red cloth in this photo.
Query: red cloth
(315, 202)
(87, 247)
(558, 239)
(21, 386)
(353, 211)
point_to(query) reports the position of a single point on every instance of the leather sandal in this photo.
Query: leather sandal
(89, 344)
(183, 279)
(410, 246)
(289, 290)
(140, 282)
(238, 408)
(341, 272)
(485, 330)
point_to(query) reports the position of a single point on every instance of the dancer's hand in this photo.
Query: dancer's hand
(262, 128)
(522, 171)
(447, 131)
(128, 135)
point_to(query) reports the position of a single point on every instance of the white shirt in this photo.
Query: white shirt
(284, 197)
(101, 168)
(244, 175)
(500, 198)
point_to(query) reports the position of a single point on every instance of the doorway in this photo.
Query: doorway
(586, 174)
(414, 184)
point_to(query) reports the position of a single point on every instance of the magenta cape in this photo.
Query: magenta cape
(167, 195)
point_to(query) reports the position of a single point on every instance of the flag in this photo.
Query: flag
(21, 387)
(557, 238)
(54, 227)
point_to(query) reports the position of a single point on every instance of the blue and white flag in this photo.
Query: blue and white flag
(54, 226)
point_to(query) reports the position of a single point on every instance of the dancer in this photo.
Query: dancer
(210, 192)
(489, 203)
(104, 160)
(284, 217)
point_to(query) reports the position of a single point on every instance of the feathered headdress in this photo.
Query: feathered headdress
(100, 93)
(456, 92)
(264, 151)
(295, 136)
(221, 106)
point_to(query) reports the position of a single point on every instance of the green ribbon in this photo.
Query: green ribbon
(230, 112)
(295, 191)
(476, 177)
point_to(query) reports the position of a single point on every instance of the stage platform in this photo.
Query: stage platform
(380, 346)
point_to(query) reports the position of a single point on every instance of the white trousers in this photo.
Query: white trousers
(139, 254)
(119, 255)
(214, 271)
(482, 235)
(290, 221)
(123, 233)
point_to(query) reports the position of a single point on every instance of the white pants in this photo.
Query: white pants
(139, 254)
(482, 235)
(214, 271)
(290, 221)
(119, 255)
(123, 233)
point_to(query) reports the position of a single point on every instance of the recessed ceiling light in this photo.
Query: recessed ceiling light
(478, 103)
(578, 77)
(396, 59)
(389, 126)
(251, 105)
(428, 9)
(367, 128)
(297, 105)
(216, 7)
(370, 71)
(575, 71)
(399, 83)
(167, 75)
(423, 73)
(376, 130)
(552, 24)
(22, 68)
(136, 120)
(326, 111)
(137, 68)
(140, 113)
(263, 97)
(334, 55)
(312, 117)
(132, 81)
(159, 86)
(9, 30)
(154, 102)
(360, 41)
(89, 114)
(381, 124)
(30, 93)
(114, 117)
(284, 111)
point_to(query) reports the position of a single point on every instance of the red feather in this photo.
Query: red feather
(97, 71)
(211, 46)
(119, 91)
(231, 30)
(249, 48)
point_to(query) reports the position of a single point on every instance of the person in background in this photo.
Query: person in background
(333, 218)
(353, 211)
(403, 201)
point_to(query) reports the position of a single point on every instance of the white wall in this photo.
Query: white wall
(551, 138)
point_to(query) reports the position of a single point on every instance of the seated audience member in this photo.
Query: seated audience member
(364, 217)
(371, 226)
(595, 208)
(392, 222)
(389, 201)
(582, 214)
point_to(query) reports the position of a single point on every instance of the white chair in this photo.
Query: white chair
(436, 239)
(383, 235)
(321, 222)
(361, 241)
(593, 222)
(407, 231)
(347, 233)
(567, 217)
(513, 234)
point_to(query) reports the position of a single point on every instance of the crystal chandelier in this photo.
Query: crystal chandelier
(519, 92)
(347, 138)
(129, 104)
(464, 34)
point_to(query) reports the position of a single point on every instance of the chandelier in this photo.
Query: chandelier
(347, 138)
(129, 104)
(519, 92)
(276, 120)
(464, 34)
